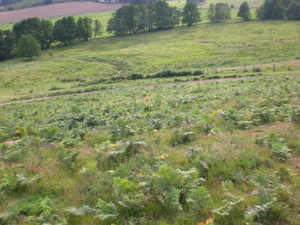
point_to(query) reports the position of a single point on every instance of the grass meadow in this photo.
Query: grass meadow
(230, 47)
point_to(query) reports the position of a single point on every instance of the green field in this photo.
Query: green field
(215, 48)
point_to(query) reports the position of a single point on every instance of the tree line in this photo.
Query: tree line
(42, 33)
(133, 18)
(279, 9)
(155, 16)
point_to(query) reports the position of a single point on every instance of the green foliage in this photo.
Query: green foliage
(14, 182)
(231, 211)
(278, 147)
(97, 28)
(272, 9)
(268, 208)
(64, 30)
(244, 11)
(182, 137)
(170, 201)
(8, 43)
(84, 28)
(190, 14)
(41, 30)
(28, 47)
(105, 210)
(198, 199)
(293, 11)
(219, 12)
(140, 18)
(68, 159)
(138, 177)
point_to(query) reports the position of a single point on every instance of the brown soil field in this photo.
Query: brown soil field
(56, 10)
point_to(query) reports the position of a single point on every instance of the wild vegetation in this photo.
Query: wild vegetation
(108, 62)
(173, 154)
(193, 125)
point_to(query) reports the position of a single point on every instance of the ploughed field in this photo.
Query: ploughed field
(56, 10)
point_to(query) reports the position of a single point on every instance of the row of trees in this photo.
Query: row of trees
(279, 9)
(130, 19)
(66, 31)
(155, 16)
(219, 12)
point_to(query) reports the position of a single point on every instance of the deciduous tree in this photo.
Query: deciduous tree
(244, 11)
(219, 12)
(28, 47)
(97, 28)
(293, 12)
(190, 13)
(46, 34)
(8, 43)
(84, 28)
(64, 30)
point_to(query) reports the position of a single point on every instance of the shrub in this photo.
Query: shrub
(182, 137)
(256, 69)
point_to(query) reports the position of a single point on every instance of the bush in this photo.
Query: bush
(182, 137)
(257, 69)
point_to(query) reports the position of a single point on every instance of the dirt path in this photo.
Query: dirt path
(146, 85)
(56, 10)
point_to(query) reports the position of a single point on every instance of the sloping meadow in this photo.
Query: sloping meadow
(222, 152)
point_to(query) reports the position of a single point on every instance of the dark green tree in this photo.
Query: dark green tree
(211, 13)
(84, 28)
(30, 26)
(131, 16)
(117, 26)
(244, 11)
(46, 37)
(219, 12)
(143, 19)
(161, 14)
(8, 43)
(28, 47)
(41, 30)
(164, 16)
(97, 28)
(274, 9)
(64, 30)
(278, 12)
(175, 15)
(223, 12)
(293, 12)
(190, 13)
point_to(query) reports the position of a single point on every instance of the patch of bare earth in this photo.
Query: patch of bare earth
(12, 142)
(56, 10)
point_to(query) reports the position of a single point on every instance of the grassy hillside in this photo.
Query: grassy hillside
(218, 152)
(172, 154)
(214, 48)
